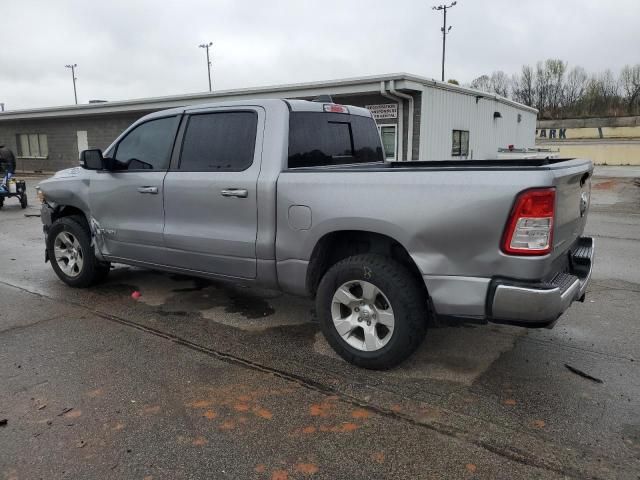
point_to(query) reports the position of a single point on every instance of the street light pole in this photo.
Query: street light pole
(444, 29)
(206, 46)
(73, 76)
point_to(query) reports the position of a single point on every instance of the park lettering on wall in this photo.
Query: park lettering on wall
(559, 133)
(382, 111)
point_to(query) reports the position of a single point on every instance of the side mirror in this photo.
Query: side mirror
(92, 159)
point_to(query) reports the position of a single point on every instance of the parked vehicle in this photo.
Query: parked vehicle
(296, 196)
(14, 189)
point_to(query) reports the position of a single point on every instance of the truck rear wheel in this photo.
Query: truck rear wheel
(71, 254)
(372, 311)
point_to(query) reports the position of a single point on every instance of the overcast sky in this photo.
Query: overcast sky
(134, 49)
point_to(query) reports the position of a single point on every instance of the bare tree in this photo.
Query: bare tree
(499, 83)
(483, 83)
(630, 83)
(558, 92)
(523, 90)
(574, 88)
(554, 71)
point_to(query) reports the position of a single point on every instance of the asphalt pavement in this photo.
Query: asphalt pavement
(198, 379)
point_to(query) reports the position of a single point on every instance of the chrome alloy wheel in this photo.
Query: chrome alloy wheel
(68, 254)
(362, 315)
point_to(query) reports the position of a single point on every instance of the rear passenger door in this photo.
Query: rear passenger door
(211, 215)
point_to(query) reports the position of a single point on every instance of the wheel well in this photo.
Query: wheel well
(67, 211)
(337, 246)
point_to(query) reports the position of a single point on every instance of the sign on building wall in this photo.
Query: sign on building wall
(382, 111)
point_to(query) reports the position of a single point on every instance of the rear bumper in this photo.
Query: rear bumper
(541, 303)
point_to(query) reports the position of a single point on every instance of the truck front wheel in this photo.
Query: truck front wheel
(372, 311)
(71, 254)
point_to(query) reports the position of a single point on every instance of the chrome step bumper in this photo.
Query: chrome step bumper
(541, 304)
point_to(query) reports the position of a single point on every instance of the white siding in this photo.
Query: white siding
(444, 111)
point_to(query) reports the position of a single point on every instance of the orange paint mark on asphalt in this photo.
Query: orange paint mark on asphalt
(241, 407)
(510, 402)
(210, 414)
(73, 414)
(95, 393)
(345, 427)
(200, 404)
(263, 413)
(199, 441)
(320, 409)
(244, 398)
(227, 425)
(118, 426)
(360, 413)
(471, 468)
(604, 185)
(309, 429)
(279, 475)
(396, 408)
(151, 409)
(378, 457)
(538, 424)
(306, 468)
(260, 468)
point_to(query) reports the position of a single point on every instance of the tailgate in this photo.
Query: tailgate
(572, 180)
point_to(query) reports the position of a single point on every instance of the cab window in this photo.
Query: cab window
(148, 146)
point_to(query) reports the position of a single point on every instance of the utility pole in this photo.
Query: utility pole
(73, 76)
(206, 46)
(444, 29)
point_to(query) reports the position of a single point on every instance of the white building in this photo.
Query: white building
(418, 118)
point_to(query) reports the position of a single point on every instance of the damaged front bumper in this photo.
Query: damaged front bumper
(541, 304)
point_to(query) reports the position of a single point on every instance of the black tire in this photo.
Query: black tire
(92, 271)
(407, 299)
(23, 201)
(1, 202)
(102, 272)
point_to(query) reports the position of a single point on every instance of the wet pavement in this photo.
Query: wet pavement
(197, 379)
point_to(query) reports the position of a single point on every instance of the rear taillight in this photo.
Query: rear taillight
(529, 230)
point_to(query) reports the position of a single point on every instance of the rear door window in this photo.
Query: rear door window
(320, 139)
(219, 142)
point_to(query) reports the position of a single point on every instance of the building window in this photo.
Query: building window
(32, 145)
(460, 143)
(389, 136)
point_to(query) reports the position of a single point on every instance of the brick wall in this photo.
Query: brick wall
(62, 137)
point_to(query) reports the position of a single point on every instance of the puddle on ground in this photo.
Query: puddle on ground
(181, 295)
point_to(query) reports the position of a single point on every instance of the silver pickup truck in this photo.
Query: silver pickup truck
(295, 195)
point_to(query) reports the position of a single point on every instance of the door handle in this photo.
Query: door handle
(235, 192)
(152, 190)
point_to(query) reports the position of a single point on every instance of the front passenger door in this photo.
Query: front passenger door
(127, 204)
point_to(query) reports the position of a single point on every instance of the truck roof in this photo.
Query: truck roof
(293, 105)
